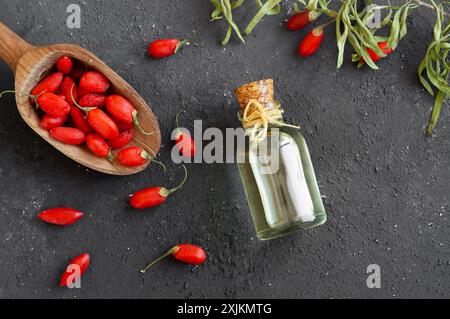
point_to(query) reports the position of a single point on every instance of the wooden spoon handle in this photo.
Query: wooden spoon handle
(12, 47)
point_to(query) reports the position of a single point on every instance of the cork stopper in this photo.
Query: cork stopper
(262, 91)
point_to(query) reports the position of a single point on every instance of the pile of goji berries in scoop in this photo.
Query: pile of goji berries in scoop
(76, 106)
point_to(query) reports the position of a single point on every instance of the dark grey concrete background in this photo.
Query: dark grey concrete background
(385, 184)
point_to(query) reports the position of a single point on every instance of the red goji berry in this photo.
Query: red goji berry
(66, 89)
(68, 135)
(165, 47)
(79, 120)
(82, 261)
(375, 57)
(92, 100)
(187, 253)
(124, 138)
(53, 105)
(122, 110)
(60, 216)
(48, 122)
(50, 84)
(183, 140)
(94, 82)
(103, 124)
(133, 156)
(301, 19)
(311, 43)
(97, 145)
(154, 196)
(64, 65)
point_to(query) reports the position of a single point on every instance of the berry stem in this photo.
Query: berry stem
(172, 251)
(177, 118)
(84, 109)
(34, 97)
(19, 93)
(173, 190)
(111, 158)
(180, 45)
(427, 5)
(152, 155)
(323, 26)
(138, 125)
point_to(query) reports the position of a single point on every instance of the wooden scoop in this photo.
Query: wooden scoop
(30, 63)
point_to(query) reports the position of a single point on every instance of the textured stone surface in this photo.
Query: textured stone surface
(386, 185)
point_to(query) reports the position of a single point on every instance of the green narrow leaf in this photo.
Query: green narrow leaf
(273, 11)
(366, 36)
(380, 39)
(368, 59)
(302, 2)
(438, 25)
(433, 70)
(227, 12)
(341, 39)
(236, 4)
(312, 5)
(269, 5)
(227, 35)
(403, 20)
(215, 15)
(367, 17)
(387, 18)
(395, 28)
(355, 44)
(435, 112)
(422, 78)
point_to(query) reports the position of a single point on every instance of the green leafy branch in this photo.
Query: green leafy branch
(436, 67)
(353, 28)
(224, 9)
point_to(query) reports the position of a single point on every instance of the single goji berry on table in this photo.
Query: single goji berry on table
(165, 47)
(60, 216)
(187, 253)
(80, 263)
(183, 140)
(311, 43)
(154, 196)
(301, 19)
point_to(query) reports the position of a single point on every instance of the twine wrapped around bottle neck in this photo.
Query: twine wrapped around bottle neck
(256, 119)
(259, 109)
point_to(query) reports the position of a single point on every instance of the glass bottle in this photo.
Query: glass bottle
(288, 199)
